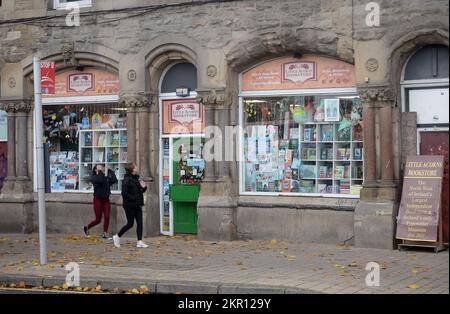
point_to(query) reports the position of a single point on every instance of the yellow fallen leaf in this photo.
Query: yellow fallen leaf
(413, 286)
(339, 266)
(79, 289)
(65, 286)
(178, 292)
(189, 257)
(135, 291)
(56, 287)
(273, 241)
(21, 284)
(19, 268)
(340, 245)
(86, 289)
(50, 266)
(12, 285)
(414, 271)
(353, 264)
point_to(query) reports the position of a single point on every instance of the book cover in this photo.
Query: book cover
(311, 153)
(115, 141)
(88, 139)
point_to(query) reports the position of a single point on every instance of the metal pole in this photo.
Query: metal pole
(40, 160)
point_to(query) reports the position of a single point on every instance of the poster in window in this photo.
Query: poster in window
(332, 110)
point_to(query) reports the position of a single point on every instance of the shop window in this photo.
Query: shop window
(182, 74)
(61, 4)
(81, 136)
(302, 144)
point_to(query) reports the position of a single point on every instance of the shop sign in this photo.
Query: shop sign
(47, 77)
(182, 92)
(184, 112)
(290, 73)
(91, 82)
(418, 217)
(81, 82)
(299, 71)
(182, 116)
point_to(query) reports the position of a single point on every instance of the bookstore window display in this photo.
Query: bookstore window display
(80, 136)
(303, 144)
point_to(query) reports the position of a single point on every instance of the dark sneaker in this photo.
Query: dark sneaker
(85, 231)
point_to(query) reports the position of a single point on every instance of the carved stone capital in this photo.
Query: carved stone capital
(135, 100)
(217, 98)
(13, 106)
(376, 96)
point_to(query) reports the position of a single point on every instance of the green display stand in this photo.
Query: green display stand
(184, 199)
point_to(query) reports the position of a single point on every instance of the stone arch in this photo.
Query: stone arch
(158, 59)
(254, 48)
(407, 46)
(100, 57)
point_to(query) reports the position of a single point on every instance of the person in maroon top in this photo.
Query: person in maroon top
(102, 190)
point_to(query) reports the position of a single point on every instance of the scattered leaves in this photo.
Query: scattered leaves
(413, 286)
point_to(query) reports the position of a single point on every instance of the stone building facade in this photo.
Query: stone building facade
(222, 40)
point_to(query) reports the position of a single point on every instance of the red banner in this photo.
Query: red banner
(48, 78)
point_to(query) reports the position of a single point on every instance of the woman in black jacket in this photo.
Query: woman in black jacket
(102, 190)
(133, 190)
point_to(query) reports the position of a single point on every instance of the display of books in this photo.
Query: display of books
(327, 133)
(308, 135)
(101, 140)
(109, 148)
(343, 154)
(307, 171)
(113, 155)
(115, 141)
(123, 140)
(306, 186)
(357, 153)
(338, 172)
(88, 139)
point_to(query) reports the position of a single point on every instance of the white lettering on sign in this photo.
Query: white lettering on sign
(81, 82)
(299, 72)
(185, 112)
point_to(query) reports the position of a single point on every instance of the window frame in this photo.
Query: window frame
(284, 93)
(58, 5)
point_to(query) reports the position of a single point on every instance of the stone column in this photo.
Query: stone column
(217, 202)
(10, 109)
(142, 112)
(367, 99)
(386, 99)
(22, 110)
(374, 220)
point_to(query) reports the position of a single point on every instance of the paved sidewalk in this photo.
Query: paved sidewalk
(183, 264)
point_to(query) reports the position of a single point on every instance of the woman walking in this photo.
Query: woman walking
(102, 190)
(133, 199)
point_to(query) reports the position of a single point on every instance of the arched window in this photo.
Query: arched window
(183, 74)
(430, 62)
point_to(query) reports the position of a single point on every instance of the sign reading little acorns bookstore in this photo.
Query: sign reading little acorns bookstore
(419, 212)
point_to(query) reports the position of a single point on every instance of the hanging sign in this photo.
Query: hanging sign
(47, 77)
(418, 216)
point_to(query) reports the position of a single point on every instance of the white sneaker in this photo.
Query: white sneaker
(116, 240)
(141, 244)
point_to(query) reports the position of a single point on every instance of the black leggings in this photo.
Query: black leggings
(133, 212)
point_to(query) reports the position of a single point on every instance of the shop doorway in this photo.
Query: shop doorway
(181, 141)
(425, 90)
